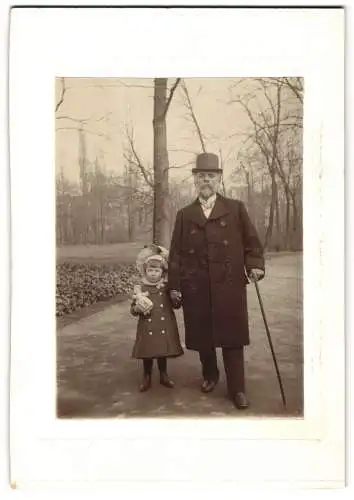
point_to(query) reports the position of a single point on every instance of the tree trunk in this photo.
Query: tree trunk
(287, 223)
(269, 231)
(83, 179)
(277, 219)
(295, 216)
(130, 215)
(161, 231)
(103, 221)
(249, 195)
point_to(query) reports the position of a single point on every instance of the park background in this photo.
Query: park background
(124, 153)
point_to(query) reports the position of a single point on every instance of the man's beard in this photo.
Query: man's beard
(206, 192)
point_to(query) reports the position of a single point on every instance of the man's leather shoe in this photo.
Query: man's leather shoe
(145, 386)
(240, 401)
(208, 385)
(166, 381)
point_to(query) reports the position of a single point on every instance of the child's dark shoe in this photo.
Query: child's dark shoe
(166, 381)
(146, 384)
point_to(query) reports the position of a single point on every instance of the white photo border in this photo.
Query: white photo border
(47, 43)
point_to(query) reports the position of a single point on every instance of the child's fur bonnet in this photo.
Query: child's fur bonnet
(149, 251)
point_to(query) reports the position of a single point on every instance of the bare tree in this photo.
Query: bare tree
(269, 152)
(270, 126)
(162, 101)
(156, 180)
(284, 177)
(295, 84)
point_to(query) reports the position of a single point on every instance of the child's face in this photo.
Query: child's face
(153, 273)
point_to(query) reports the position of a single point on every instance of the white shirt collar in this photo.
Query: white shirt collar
(209, 202)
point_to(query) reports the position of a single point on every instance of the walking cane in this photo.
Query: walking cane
(270, 342)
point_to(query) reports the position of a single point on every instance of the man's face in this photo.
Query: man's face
(206, 183)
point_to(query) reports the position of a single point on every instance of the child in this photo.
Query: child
(157, 332)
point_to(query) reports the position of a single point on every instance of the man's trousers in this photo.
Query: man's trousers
(233, 365)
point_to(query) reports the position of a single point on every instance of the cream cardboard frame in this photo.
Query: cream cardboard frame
(46, 452)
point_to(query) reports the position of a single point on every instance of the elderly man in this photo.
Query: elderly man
(214, 249)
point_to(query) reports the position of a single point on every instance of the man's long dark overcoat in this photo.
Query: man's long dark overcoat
(207, 264)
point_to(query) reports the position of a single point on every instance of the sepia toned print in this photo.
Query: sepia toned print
(132, 158)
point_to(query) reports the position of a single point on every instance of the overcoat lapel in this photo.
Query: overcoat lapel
(196, 214)
(219, 209)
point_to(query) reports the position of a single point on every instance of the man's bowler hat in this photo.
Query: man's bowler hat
(207, 162)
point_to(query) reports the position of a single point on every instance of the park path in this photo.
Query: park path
(97, 377)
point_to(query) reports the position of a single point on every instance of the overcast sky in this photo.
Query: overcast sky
(130, 102)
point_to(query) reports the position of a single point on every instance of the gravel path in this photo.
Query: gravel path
(97, 378)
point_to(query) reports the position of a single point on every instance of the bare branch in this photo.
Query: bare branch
(118, 85)
(276, 163)
(104, 117)
(270, 102)
(189, 151)
(83, 120)
(249, 114)
(239, 82)
(184, 165)
(77, 120)
(67, 128)
(76, 129)
(172, 91)
(192, 114)
(128, 188)
(61, 99)
(296, 88)
(270, 156)
(138, 162)
(222, 175)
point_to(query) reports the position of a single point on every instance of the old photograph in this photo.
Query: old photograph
(179, 239)
(177, 249)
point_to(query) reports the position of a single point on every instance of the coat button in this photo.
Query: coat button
(193, 231)
(161, 293)
(162, 331)
(150, 333)
(162, 318)
(161, 305)
(191, 251)
(226, 243)
(149, 320)
(223, 223)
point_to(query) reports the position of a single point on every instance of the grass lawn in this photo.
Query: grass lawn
(117, 253)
